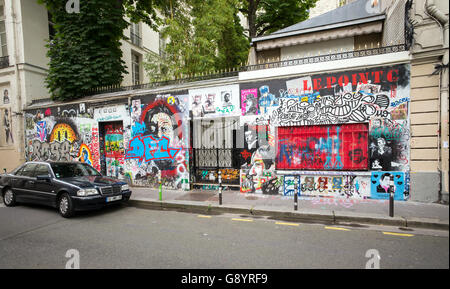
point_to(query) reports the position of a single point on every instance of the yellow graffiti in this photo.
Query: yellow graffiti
(62, 132)
(171, 100)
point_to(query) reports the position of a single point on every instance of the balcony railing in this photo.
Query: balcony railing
(327, 57)
(267, 65)
(4, 61)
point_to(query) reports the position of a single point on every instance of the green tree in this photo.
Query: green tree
(85, 51)
(202, 36)
(267, 16)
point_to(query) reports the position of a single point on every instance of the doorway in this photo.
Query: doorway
(112, 149)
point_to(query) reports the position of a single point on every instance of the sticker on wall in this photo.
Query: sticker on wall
(383, 183)
(291, 183)
(249, 101)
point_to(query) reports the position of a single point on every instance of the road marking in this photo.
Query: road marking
(203, 216)
(337, 228)
(286, 224)
(398, 234)
(242, 220)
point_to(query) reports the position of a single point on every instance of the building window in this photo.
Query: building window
(136, 68)
(4, 48)
(323, 147)
(135, 34)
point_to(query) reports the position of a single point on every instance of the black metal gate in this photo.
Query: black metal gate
(208, 162)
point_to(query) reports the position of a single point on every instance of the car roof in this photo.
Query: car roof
(51, 162)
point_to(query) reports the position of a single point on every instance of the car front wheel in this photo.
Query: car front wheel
(65, 206)
(9, 198)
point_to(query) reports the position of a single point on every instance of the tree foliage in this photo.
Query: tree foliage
(203, 36)
(268, 16)
(85, 52)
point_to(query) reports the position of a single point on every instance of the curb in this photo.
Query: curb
(312, 217)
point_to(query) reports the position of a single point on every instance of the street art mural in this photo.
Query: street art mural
(159, 144)
(345, 121)
(336, 147)
(258, 162)
(52, 135)
(331, 134)
(6, 133)
(349, 186)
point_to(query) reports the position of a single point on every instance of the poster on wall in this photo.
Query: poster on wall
(6, 135)
(5, 96)
(215, 101)
(384, 183)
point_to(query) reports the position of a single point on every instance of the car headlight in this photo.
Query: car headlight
(125, 188)
(87, 192)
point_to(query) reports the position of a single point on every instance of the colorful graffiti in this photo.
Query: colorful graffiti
(342, 131)
(338, 147)
(159, 141)
(349, 186)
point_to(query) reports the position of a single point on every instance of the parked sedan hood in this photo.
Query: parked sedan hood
(89, 181)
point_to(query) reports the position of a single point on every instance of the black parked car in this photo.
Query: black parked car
(68, 186)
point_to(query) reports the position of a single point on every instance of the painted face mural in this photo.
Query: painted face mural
(258, 172)
(159, 147)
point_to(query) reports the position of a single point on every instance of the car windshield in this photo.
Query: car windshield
(70, 170)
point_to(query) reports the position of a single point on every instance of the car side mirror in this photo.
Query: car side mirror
(46, 178)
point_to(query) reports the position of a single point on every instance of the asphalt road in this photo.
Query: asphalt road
(127, 237)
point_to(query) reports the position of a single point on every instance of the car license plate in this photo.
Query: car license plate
(112, 199)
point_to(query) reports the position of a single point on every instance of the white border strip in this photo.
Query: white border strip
(328, 66)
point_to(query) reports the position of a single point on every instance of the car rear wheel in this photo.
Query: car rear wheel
(9, 198)
(65, 206)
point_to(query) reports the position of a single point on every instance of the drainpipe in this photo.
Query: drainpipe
(20, 114)
(442, 20)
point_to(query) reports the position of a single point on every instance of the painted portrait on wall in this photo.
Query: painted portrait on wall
(249, 101)
(5, 96)
(384, 183)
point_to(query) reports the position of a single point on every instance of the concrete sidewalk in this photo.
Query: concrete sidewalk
(311, 209)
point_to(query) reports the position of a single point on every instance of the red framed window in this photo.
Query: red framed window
(323, 147)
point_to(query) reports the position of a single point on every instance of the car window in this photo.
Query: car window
(69, 170)
(27, 170)
(41, 170)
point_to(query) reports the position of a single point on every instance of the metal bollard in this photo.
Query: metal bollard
(160, 188)
(391, 197)
(295, 196)
(220, 187)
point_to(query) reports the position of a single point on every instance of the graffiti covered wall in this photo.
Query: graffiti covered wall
(62, 134)
(159, 141)
(341, 134)
(349, 121)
